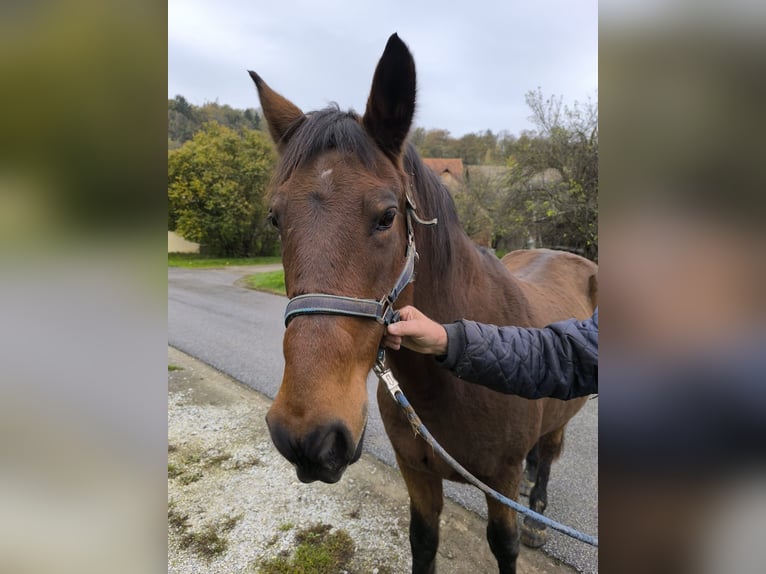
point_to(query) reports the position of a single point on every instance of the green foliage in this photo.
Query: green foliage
(481, 205)
(185, 119)
(319, 551)
(553, 177)
(484, 148)
(216, 191)
(548, 195)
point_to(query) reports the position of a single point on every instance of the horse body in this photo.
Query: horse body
(339, 197)
(495, 432)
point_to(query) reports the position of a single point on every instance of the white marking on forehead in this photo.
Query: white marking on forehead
(325, 173)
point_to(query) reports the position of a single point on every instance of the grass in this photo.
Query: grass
(177, 519)
(174, 368)
(187, 477)
(210, 541)
(270, 281)
(186, 470)
(207, 542)
(320, 551)
(174, 471)
(201, 261)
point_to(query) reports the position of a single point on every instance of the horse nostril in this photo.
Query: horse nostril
(323, 454)
(330, 446)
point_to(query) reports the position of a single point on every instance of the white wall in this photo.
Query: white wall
(177, 244)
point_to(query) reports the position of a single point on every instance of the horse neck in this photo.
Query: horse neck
(456, 279)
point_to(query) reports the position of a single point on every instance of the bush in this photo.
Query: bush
(217, 192)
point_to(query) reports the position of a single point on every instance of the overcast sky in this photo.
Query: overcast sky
(475, 61)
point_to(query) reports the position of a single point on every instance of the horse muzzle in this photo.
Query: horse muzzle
(322, 454)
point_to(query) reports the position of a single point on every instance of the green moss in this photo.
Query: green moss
(174, 471)
(192, 458)
(187, 477)
(185, 468)
(174, 368)
(207, 542)
(177, 519)
(314, 534)
(320, 550)
(228, 523)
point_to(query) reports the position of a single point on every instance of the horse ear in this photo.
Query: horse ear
(391, 104)
(280, 113)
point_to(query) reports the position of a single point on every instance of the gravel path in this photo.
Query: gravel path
(224, 476)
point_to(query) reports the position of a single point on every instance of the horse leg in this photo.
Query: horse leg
(502, 533)
(534, 533)
(426, 501)
(530, 472)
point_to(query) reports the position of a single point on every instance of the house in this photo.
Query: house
(449, 170)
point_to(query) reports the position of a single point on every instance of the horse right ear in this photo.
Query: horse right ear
(391, 104)
(280, 113)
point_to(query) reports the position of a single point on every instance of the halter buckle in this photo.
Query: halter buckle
(385, 374)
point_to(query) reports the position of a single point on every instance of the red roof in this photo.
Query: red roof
(453, 166)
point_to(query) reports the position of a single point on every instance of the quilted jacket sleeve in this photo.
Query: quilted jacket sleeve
(559, 361)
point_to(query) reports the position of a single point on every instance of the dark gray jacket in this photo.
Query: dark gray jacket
(559, 361)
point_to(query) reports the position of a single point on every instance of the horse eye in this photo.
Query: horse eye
(387, 220)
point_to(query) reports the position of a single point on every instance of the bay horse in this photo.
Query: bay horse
(339, 197)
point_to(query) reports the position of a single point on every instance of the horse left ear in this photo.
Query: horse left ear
(391, 104)
(281, 114)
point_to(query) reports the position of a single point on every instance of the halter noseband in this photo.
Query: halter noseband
(383, 310)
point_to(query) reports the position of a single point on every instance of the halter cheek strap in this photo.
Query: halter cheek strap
(381, 311)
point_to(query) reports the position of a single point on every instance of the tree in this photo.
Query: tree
(480, 148)
(182, 121)
(554, 176)
(437, 143)
(216, 191)
(476, 201)
(185, 119)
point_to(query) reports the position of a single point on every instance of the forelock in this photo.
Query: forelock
(322, 131)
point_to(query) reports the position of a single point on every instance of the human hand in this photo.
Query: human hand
(416, 332)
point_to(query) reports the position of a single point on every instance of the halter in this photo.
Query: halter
(381, 310)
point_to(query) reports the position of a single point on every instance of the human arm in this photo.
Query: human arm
(560, 360)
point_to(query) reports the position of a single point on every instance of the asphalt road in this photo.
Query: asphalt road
(239, 332)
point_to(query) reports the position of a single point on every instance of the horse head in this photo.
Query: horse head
(339, 200)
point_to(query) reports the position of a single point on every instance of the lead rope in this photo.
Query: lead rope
(384, 374)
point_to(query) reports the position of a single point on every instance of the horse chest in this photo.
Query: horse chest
(481, 434)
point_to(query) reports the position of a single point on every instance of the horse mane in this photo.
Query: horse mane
(321, 131)
(433, 200)
(332, 129)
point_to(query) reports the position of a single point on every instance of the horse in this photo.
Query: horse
(342, 196)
